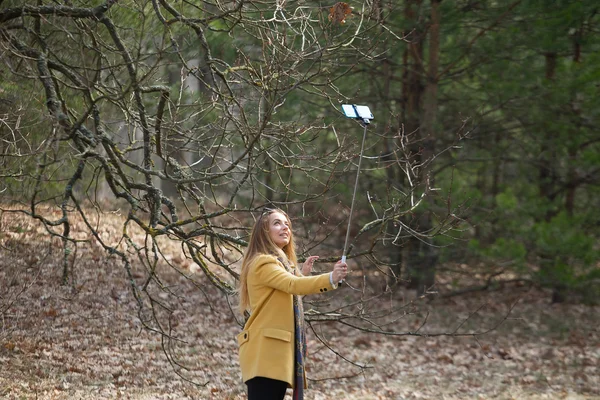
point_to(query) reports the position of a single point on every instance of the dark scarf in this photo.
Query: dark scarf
(299, 342)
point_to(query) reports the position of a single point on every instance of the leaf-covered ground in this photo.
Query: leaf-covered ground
(85, 340)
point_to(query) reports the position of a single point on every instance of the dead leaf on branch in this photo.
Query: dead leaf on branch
(339, 12)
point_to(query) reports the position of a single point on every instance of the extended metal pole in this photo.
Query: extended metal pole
(362, 147)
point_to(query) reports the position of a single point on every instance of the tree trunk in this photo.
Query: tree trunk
(546, 174)
(422, 255)
(547, 187)
(395, 251)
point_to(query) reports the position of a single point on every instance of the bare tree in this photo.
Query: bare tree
(190, 116)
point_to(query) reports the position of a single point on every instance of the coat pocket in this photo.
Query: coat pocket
(277, 334)
(243, 337)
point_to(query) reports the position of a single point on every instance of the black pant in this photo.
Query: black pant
(260, 388)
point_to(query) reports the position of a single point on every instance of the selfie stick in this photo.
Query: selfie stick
(363, 114)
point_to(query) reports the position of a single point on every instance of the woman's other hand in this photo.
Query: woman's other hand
(308, 265)
(340, 270)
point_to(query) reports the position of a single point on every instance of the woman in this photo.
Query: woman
(272, 345)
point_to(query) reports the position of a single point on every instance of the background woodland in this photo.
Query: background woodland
(142, 138)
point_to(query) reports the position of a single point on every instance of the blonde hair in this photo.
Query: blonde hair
(261, 243)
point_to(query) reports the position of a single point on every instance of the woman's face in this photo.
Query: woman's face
(279, 229)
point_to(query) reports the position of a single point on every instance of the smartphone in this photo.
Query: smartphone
(358, 112)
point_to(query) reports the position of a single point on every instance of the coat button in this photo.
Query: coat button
(325, 289)
(321, 290)
(245, 335)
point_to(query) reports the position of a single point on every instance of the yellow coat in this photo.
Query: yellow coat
(266, 345)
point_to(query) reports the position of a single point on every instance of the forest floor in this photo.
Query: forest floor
(85, 340)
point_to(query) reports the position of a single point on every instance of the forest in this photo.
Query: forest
(140, 139)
